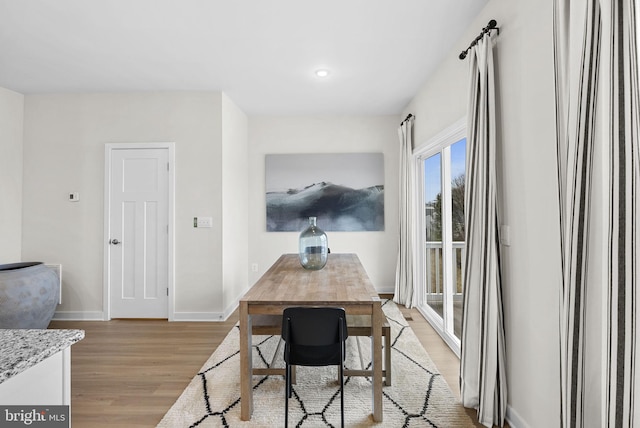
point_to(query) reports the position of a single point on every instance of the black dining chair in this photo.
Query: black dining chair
(313, 336)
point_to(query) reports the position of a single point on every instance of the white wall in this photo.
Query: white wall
(64, 149)
(528, 192)
(235, 203)
(325, 134)
(11, 123)
(64, 152)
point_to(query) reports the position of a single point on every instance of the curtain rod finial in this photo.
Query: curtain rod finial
(409, 116)
(492, 25)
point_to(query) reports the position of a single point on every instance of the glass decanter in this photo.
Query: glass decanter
(313, 247)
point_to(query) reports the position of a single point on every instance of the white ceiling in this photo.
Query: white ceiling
(261, 53)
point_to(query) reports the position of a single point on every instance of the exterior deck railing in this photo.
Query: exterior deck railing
(434, 272)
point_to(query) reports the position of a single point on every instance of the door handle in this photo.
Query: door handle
(114, 242)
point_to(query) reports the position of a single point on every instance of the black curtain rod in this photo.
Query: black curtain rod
(409, 116)
(492, 25)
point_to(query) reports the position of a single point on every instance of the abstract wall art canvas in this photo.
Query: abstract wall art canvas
(344, 191)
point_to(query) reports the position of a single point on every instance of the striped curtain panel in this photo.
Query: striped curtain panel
(405, 276)
(597, 113)
(483, 384)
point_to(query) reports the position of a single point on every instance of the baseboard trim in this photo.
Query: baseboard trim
(177, 316)
(387, 290)
(198, 316)
(78, 316)
(514, 419)
(231, 308)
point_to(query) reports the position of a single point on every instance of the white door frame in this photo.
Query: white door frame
(450, 135)
(108, 149)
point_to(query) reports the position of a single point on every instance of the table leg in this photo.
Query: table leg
(376, 325)
(246, 369)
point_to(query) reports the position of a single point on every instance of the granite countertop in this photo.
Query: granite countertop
(21, 349)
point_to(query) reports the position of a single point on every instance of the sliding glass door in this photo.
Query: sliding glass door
(433, 263)
(441, 167)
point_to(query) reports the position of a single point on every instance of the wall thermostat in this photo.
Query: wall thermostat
(74, 197)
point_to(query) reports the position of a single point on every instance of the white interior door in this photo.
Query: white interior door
(138, 232)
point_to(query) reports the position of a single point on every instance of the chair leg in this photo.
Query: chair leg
(342, 395)
(342, 358)
(387, 358)
(287, 391)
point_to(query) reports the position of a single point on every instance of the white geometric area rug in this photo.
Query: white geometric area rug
(418, 396)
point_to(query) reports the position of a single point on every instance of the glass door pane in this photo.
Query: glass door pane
(433, 224)
(441, 167)
(458, 152)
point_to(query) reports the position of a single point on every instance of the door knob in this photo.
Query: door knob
(114, 242)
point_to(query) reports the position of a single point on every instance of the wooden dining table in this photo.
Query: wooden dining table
(343, 282)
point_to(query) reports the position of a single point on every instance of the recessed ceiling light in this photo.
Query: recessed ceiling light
(322, 72)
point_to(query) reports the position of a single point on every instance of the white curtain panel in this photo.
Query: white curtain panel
(483, 384)
(575, 152)
(405, 293)
(597, 114)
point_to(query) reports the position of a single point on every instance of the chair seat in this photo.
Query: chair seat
(357, 325)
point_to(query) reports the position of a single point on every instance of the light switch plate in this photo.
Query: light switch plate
(204, 222)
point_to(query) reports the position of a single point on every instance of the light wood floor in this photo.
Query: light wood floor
(128, 373)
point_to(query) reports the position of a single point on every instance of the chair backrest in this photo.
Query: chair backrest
(314, 336)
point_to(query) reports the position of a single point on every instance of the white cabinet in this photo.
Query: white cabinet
(46, 383)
